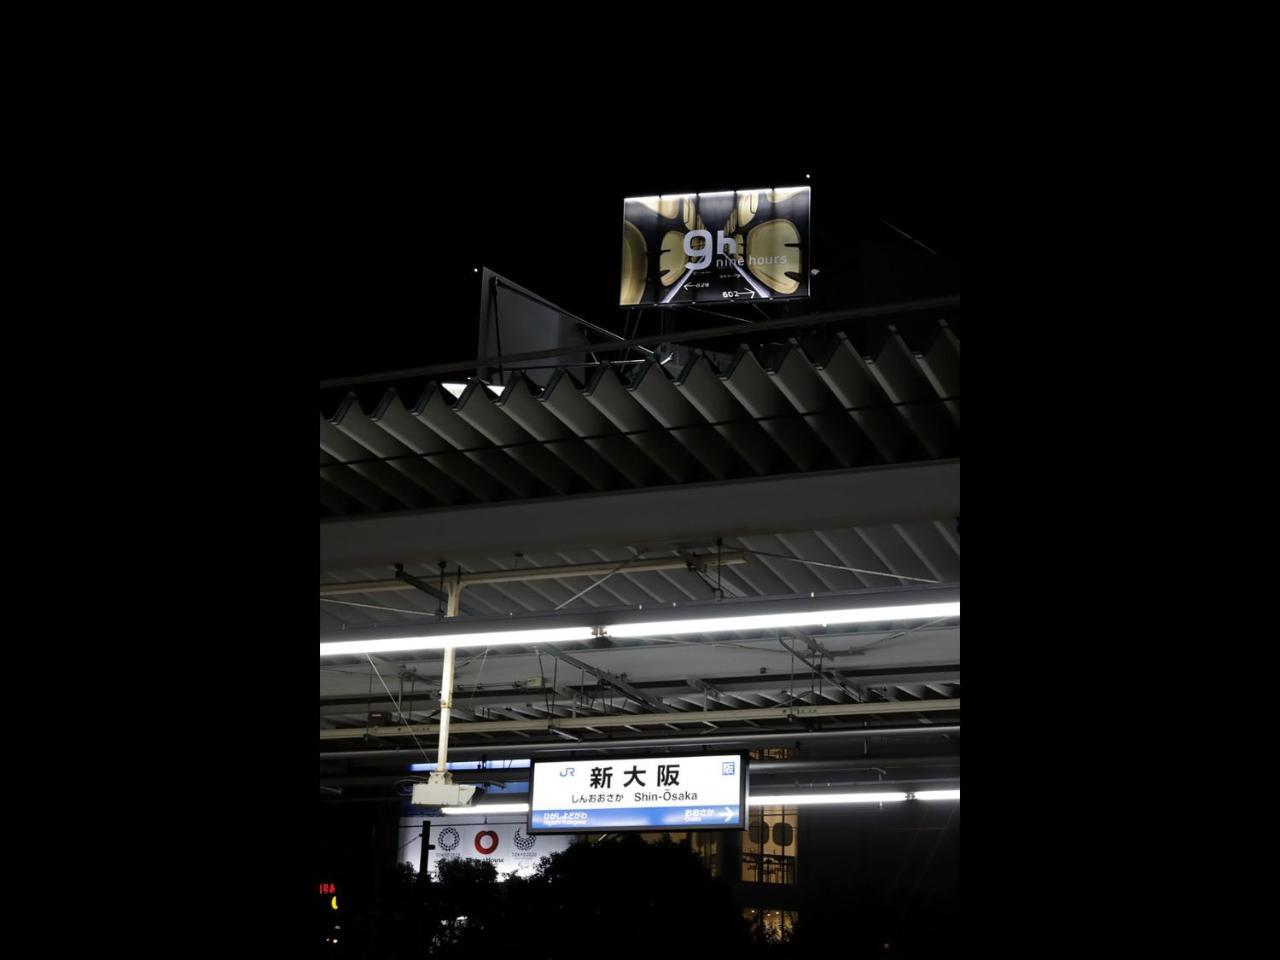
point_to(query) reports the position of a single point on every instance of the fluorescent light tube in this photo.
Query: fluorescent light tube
(937, 794)
(346, 648)
(798, 799)
(768, 621)
(487, 808)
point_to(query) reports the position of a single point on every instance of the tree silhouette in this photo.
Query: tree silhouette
(621, 897)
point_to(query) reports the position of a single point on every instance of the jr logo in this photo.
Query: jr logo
(702, 258)
(567, 772)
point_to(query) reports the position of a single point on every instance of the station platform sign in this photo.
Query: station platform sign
(678, 793)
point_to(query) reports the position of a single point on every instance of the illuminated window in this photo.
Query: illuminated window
(769, 846)
(769, 924)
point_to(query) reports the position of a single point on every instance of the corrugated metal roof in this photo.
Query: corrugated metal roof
(885, 397)
(822, 406)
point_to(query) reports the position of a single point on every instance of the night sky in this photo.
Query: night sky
(406, 293)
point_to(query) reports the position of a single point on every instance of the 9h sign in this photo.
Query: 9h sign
(700, 247)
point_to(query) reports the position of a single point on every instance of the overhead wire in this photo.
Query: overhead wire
(373, 606)
(399, 711)
(836, 566)
(597, 583)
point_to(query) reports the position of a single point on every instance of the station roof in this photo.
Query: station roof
(825, 464)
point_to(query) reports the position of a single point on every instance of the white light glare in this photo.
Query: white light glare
(457, 388)
(768, 621)
(487, 808)
(798, 799)
(346, 648)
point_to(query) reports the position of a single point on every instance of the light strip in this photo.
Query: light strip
(661, 628)
(810, 799)
(767, 621)
(487, 808)
(803, 799)
(346, 648)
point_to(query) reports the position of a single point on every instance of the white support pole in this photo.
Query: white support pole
(441, 774)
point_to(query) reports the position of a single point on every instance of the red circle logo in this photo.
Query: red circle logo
(486, 846)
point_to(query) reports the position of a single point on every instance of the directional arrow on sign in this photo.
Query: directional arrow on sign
(728, 814)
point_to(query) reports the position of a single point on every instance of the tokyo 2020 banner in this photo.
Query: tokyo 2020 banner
(713, 247)
(508, 846)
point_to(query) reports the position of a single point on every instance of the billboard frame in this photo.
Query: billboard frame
(759, 295)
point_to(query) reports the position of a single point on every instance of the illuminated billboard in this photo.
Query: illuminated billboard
(713, 247)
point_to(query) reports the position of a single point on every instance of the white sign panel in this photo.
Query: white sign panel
(705, 791)
(508, 846)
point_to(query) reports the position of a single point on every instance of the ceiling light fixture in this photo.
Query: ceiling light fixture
(486, 808)
(662, 628)
(805, 799)
(346, 648)
(811, 799)
(770, 621)
(937, 794)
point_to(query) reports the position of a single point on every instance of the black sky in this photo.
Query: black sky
(407, 242)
